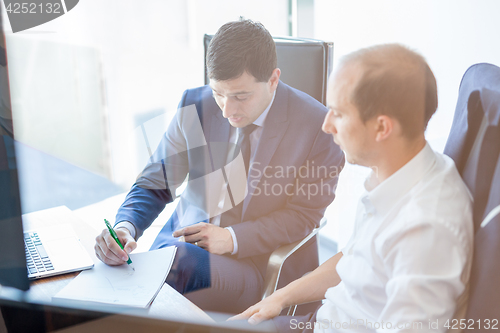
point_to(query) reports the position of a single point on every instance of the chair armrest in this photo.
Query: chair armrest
(279, 256)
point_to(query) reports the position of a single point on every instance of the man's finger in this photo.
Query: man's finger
(130, 246)
(244, 315)
(99, 254)
(192, 239)
(129, 243)
(238, 317)
(256, 318)
(114, 248)
(179, 232)
(106, 255)
(193, 229)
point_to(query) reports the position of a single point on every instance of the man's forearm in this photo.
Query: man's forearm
(142, 206)
(313, 286)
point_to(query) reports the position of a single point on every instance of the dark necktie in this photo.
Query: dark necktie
(233, 215)
(244, 143)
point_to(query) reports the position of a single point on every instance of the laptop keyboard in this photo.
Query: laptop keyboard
(37, 259)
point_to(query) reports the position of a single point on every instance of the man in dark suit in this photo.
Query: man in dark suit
(245, 122)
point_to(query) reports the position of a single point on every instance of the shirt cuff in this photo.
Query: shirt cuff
(235, 241)
(127, 225)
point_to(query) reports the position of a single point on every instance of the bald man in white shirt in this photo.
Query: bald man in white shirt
(407, 264)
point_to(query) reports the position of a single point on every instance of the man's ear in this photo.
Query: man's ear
(275, 78)
(384, 127)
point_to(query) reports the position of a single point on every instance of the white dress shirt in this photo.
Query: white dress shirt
(408, 260)
(254, 141)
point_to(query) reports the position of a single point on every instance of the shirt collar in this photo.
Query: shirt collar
(260, 121)
(383, 196)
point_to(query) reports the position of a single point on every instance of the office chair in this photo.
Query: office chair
(276, 261)
(474, 145)
(305, 65)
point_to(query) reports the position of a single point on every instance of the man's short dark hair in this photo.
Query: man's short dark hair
(241, 46)
(396, 82)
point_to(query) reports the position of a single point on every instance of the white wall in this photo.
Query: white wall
(451, 34)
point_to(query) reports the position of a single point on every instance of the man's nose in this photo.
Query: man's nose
(328, 124)
(228, 108)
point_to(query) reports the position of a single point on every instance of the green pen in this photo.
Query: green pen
(115, 237)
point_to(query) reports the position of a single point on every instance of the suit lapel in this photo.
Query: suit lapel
(275, 126)
(218, 132)
(219, 128)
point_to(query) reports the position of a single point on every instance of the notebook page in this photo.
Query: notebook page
(120, 285)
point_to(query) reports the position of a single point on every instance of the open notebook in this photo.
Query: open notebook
(120, 285)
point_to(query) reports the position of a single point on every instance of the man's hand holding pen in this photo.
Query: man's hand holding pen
(109, 252)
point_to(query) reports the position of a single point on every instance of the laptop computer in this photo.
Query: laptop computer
(52, 246)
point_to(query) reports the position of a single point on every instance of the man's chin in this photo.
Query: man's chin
(238, 123)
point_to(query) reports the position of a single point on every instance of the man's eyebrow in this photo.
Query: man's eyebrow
(235, 93)
(333, 108)
(241, 93)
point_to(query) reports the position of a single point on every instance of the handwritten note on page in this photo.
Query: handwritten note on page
(120, 285)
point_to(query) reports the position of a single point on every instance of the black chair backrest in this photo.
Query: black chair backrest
(305, 64)
(474, 145)
(474, 142)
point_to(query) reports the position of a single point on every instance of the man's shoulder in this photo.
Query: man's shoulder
(196, 95)
(303, 107)
(444, 185)
(438, 207)
(449, 178)
(299, 99)
(441, 199)
(201, 98)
